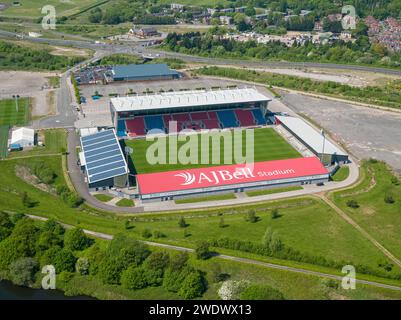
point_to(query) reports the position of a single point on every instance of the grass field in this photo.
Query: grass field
(9, 115)
(3, 141)
(103, 197)
(256, 193)
(125, 203)
(269, 145)
(32, 8)
(379, 218)
(341, 174)
(226, 196)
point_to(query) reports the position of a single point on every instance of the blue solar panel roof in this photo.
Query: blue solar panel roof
(103, 155)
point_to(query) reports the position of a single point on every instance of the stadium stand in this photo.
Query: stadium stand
(211, 124)
(121, 128)
(260, 119)
(270, 117)
(136, 127)
(154, 122)
(212, 115)
(196, 116)
(245, 117)
(227, 118)
(181, 117)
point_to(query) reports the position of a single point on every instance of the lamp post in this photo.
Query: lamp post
(16, 97)
(324, 142)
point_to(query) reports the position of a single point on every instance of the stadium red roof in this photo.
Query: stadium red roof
(213, 177)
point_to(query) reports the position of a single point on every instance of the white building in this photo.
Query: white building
(25, 137)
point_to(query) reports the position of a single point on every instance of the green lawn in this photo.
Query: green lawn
(103, 197)
(9, 115)
(380, 219)
(256, 193)
(3, 141)
(125, 203)
(226, 196)
(269, 145)
(341, 174)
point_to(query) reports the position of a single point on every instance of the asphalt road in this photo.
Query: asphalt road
(236, 259)
(138, 48)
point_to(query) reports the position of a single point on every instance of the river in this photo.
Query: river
(9, 291)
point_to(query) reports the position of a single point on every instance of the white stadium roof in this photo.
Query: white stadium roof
(309, 135)
(187, 99)
(23, 134)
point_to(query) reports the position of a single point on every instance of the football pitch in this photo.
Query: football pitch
(269, 145)
(9, 115)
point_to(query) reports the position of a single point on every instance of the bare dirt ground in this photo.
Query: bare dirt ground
(29, 84)
(64, 51)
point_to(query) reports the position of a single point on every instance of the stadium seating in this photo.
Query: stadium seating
(212, 115)
(271, 119)
(245, 117)
(227, 118)
(260, 119)
(182, 117)
(154, 122)
(196, 116)
(136, 127)
(121, 128)
(211, 124)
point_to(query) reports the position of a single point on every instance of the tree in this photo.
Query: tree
(146, 234)
(182, 223)
(251, 216)
(23, 270)
(202, 250)
(158, 260)
(26, 200)
(216, 273)
(258, 292)
(178, 261)
(388, 198)
(193, 286)
(76, 240)
(95, 256)
(127, 250)
(5, 221)
(48, 239)
(64, 260)
(82, 266)
(134, 278)
(275, 214)
(173, 279)
(110, 269)
(352, 204)
(222, 223)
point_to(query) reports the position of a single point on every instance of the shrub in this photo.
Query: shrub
(157, 260)
(134, 278)
(64, 260)
(82, 266)
(388, 198)
(178, 261)
(182, 223)
(222, 223)
(275, 214)
(76, 240)
(193, 286)
(158, 234)
(26, 200)
(258, 292)
(110, 269)
(231, 289)
(352, 204)
(251, 216)
(23, 270)
(202, 250)
(146, 234)
(216, 273)
(173, 279)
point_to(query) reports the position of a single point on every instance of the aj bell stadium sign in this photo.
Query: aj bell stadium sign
(231, 176)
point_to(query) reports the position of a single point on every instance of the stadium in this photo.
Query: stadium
(276, 162)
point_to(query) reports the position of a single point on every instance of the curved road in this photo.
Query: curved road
(137, 47)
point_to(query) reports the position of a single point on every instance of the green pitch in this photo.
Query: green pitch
(269, 145)
(9, 115)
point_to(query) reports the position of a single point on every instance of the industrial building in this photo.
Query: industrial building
(143, 72)
(23, 137)
(231, 178)
(199, 109)
(313, 140)
(103, 160)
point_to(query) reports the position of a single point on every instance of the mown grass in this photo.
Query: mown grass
(341, 174)
(226, 196)
(256, 193)
(103, 197)
(268, 145)
(125, 203)
(12, 115)
(3, 141)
